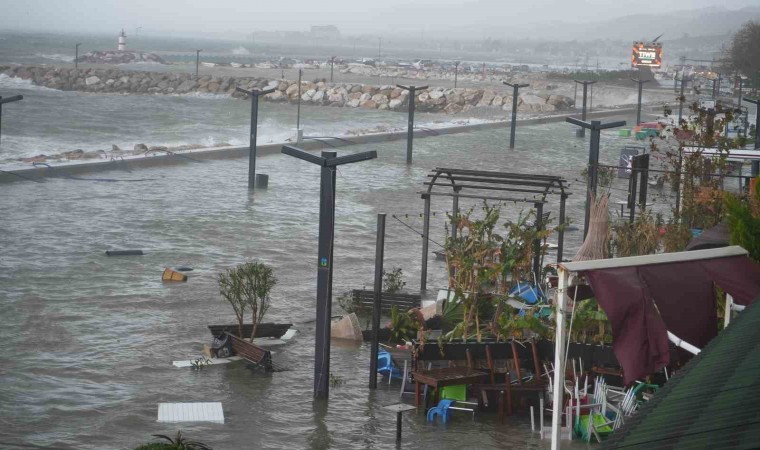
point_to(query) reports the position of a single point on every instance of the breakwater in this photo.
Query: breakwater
(316, 92)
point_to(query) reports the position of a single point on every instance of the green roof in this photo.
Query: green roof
(712, 403)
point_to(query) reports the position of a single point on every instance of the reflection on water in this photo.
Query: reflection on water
(91, 338)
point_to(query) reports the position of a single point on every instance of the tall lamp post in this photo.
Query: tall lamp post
(76, 56)
(456, 72)
(596, 128)
(197, 61)
(332, 63)
(582, 131)
(328, 162)
(638, 110)
(254, 94)
(515, 88)
(410, 123)
(3, 101)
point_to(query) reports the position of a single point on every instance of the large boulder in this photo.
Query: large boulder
(186, 86)
(89, 81)
(395, 104)
(498, 100)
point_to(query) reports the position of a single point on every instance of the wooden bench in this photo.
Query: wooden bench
(251, 352)
(403, 302)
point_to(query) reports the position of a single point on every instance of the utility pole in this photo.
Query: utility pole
(76, 56)
(410, 124)
(298, 111)
(328, 162)
(756, 164)
(3, 101)
(515, 88)
(197, 61)
(332, 63)
(379, 47)
(681, 98)
(596, 128)
(582, 131)
(638, 110)
(456, 73)
(254, 94)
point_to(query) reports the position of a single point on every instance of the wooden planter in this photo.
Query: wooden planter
(275, 330)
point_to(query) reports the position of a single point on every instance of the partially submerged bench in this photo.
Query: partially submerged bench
(388, 300)
(251, 352)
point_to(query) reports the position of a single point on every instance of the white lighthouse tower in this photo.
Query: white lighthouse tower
(122, 41)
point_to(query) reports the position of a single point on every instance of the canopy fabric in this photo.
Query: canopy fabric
(644, 302)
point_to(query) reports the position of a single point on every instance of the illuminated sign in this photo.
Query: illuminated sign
(647, 55)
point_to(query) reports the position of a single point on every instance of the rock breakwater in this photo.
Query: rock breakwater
(352, 95)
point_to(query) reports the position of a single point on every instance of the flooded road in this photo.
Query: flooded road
(90, 339)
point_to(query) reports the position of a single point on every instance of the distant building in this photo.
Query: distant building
(325, 32)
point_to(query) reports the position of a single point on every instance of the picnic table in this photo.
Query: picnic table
(438, 378)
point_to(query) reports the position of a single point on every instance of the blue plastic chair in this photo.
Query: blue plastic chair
(442, 411)
(385, 366)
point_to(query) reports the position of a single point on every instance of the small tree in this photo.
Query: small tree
(393, 280)
(231, 289)
(247, 287)
(258, 281)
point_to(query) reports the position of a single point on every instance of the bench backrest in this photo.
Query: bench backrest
(404, 302)
(251, 352)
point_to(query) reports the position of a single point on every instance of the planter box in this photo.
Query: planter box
(267, 329)
(431, 351)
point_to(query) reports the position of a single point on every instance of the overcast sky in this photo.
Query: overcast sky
(351, 16)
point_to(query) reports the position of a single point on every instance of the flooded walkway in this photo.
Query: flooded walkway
(90, 338)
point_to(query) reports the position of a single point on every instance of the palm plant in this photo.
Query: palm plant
(177, 443)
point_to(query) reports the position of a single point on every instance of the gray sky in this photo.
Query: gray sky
(351, 16)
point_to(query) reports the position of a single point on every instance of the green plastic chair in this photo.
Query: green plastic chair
(457, 392)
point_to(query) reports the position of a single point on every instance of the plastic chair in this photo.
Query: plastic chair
(385, 366)
(441, 410)
(458, 392)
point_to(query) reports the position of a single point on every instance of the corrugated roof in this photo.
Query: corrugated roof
(712, 403)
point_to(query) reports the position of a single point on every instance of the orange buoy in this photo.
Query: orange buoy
(173, 275)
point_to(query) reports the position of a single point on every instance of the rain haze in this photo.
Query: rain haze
(172, 258)
(438, 18)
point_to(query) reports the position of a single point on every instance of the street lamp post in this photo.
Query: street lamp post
(638, 110)
(456, 73)
(582, 131)
(328, 162)
(332, 63)
(76, 56)
(515, 88)
(3, 101)
(596, 128)
(254, 94)
(410, 123)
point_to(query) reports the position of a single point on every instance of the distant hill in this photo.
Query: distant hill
(675, 25)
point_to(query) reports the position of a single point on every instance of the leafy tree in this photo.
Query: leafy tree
(743, 219)
(258, 281)
(231, 289)
(743, 53)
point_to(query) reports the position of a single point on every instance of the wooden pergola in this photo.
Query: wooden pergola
(498, 186)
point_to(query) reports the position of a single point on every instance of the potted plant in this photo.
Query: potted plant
(247, 289)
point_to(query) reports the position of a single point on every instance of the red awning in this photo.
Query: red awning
(644, 302)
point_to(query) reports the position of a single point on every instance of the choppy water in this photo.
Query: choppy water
(49, 121)
(90, 338)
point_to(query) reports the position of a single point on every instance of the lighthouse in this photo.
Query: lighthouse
(122, 41)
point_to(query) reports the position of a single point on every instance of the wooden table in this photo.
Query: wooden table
(438, 378)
